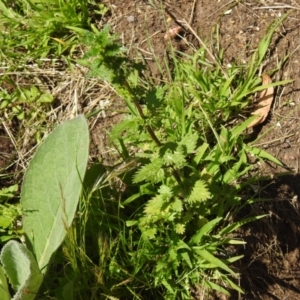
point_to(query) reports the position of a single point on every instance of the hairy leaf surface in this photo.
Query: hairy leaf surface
(52, 187)
(22, 270)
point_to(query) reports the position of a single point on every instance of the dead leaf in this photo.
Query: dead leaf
(264, 102)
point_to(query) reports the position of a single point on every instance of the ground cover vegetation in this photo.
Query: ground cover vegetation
(160, 222)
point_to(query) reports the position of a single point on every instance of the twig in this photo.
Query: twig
(277, 7)
(275, 140)
(192, 12)
(297, 169)
(13, 142)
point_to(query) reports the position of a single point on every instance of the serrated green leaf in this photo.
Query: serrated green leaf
(151, 172)
(154, 98)
(180, 228)
(165, 192)
(45, 98)
(22, 270)
(176, 159)
(153, 206)
(189, 142)
(150, 233)
(52, 186)
(199, 193)
(176, 205)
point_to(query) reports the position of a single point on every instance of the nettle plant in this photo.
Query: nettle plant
(191, 161)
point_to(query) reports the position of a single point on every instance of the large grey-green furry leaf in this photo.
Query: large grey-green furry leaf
(52, 186)
(22, 270)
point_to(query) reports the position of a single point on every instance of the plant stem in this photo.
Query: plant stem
(137, 105)
(149, 128)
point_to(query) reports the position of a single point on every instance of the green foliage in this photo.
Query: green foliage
(24, 103)
(191, 161)
(10, 214)
(106, 60)
(4, 292)
(183, 158)
(49, 27)
(8, 193)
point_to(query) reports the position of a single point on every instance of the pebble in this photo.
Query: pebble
(130, 19)
(288, 157)
(285, 145)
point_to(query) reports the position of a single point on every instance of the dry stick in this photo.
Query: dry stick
(13, 142)
(275, 140)
(277, 7)
(297, 170)
(232, 3)
(192, 12)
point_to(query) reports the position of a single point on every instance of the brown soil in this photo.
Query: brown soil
(271, 266)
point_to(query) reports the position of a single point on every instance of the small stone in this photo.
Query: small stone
(130, 19)
(285, 145)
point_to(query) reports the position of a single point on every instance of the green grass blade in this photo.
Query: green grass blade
(212, 259)
(4, 292)
(263, 154)
(196, 239)
(216, 287)
(238, 224)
